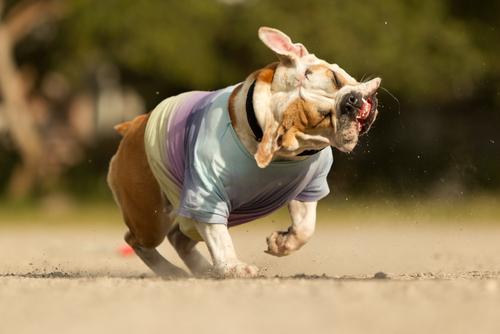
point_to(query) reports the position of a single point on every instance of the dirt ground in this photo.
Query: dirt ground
(436, 279)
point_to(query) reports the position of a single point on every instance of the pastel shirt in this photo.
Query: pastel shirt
(217, 179)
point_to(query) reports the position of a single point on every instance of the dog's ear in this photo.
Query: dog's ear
(266, 118)
(282, 44)
(267, 146)
(272, 134)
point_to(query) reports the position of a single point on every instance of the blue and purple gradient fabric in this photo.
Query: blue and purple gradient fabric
(216, 178)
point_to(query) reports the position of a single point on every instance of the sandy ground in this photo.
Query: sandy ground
(439, 279)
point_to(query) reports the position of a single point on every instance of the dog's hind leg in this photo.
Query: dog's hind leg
(157, 263)
(186, 248)
(148, 225)
(139, 197)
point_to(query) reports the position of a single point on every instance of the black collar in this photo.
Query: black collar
(254, 124)
(252, 119)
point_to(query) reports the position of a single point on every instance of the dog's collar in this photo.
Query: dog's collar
(254, 124)
(252, 119)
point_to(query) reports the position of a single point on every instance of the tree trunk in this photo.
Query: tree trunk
(19, 120)
(19, 22)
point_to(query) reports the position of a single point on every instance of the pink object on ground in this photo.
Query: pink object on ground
(126, 250)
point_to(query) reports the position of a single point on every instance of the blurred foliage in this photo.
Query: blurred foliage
(437, 57)
(422, 49)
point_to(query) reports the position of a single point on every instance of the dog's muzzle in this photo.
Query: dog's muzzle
(362, 108)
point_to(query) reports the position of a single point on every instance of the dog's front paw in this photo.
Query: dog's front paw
(283, 243)
(239, 269)
(276, 244)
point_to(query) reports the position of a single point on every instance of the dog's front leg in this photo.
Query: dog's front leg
(220, 245)
(303, 215)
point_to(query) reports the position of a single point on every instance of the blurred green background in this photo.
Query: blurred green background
(71, 69)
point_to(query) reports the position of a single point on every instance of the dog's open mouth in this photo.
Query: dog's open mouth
(366, 114)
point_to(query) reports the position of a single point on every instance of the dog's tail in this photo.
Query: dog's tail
(121, 128)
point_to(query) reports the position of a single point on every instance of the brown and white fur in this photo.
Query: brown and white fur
(301, 103)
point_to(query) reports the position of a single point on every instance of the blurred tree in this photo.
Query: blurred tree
(438, 57)
(20, 20)
(200, 44)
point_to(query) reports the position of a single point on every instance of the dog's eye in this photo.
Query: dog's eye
(337, 81)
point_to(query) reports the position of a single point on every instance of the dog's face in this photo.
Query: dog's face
(308, 103)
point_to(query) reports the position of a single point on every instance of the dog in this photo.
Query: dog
(213, 160)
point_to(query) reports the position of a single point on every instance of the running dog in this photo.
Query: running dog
(212, 160)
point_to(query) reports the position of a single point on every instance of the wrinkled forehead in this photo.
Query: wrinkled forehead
(336, 68)
(312, 60)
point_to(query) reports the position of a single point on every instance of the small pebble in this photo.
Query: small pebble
(380, 275)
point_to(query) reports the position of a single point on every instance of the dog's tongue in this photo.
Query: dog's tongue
(365, 111)
(363, 114)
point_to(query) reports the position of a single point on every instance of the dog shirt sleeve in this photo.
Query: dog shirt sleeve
(318, 187)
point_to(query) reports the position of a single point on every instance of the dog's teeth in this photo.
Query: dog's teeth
(364, 101)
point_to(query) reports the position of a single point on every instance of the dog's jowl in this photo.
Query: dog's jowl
(201, 162)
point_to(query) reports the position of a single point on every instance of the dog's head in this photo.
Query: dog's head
(304, 103)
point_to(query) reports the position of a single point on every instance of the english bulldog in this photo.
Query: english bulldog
(201, 162)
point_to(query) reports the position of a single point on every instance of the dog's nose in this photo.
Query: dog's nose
(351, 104)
